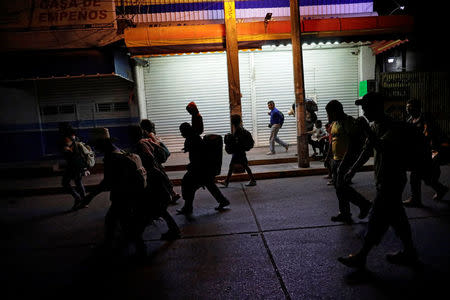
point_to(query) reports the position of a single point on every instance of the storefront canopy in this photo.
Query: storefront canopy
(211, 37)
(381, 46)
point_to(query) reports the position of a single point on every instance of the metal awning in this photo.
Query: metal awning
(211, 37)
(381, 46)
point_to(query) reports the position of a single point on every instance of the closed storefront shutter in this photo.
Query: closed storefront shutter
(86, 103)
(171, 82)
(328, 74)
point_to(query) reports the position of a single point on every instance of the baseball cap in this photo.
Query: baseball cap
(370, 99)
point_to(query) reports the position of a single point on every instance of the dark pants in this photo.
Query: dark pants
(154, 206)
(191, 182)
(430, 177)
(78, 192)
(239, 158)
(388, 210)
(320, 144)
(122, 214)
(345, 193)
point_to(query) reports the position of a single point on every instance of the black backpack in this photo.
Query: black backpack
(213, 153)
(281, 118)
(246, 140)
(416, 153)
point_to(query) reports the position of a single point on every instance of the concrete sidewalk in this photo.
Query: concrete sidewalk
(276, 241)
(45, 177)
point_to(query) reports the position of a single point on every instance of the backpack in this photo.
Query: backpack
(134, 175)
(246, 140)
(213, 144)
(87, 154)
(416, 150)
(161, 153)
(311, 105)
(281, 118)
(230, 143)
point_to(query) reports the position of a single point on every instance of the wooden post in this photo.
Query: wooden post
(299, 87)
(234, 87)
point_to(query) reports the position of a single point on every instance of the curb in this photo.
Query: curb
(177, 181)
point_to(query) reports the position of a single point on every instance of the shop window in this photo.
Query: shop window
(49, 110)
(66, 109)
(112, 107)
(103, 107)
(121, 106)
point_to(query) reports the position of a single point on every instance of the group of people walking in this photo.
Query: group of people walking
(141, 190)
(353, 141)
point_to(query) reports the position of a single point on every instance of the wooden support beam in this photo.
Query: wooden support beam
(234, 87)
(299, 87)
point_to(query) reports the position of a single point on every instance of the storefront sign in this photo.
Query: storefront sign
(57, 14)
(74, 14)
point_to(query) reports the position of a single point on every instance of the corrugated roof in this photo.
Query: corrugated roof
(384, 45)
(211, 37)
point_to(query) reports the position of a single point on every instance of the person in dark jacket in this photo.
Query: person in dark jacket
(158, 191)
(75, 165)
(385, 137)
(126, 199)
(197, 174)
(149, 132)
(235, 144)
(196, 119)
(431, 175)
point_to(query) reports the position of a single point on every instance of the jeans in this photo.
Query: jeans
(274, 138)
(78, 192)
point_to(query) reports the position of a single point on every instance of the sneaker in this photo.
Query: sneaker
(412, 202)
(287, 147)
(251, 183)
(364, 211)
(342, 218)
(270, 153)
(331, 182)
(222, 204)
(353, 261)
(439, 195)
(402, 258)
(170, 236)
(184, 211)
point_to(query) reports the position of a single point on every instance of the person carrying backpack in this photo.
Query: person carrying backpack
(385, 137)
(75, 164)
(159, 188)
(236, 144)
(161, 152)
(126, 179)
(276, 122)
(199, 173)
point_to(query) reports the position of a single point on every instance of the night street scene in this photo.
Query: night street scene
(224, 149)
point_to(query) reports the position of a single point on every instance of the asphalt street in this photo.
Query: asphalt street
(276, 241)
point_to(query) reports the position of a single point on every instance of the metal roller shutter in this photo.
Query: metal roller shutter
(75, 99)
(84, 94)
(329, 74)
(171, 82)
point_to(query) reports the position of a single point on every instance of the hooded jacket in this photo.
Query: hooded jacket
(197, 119)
